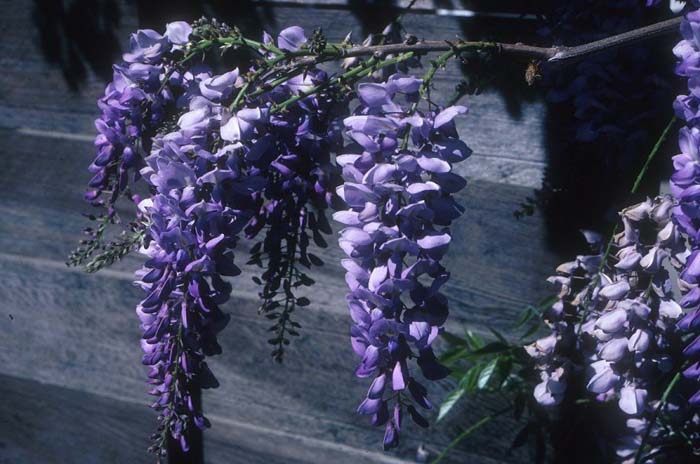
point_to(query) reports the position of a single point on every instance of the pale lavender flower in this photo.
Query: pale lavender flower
(614, 325)
(399, 204)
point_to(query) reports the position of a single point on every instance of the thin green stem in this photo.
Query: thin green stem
(640, 176)
(240, 95)
(268, 66)
(650, 158)
(358, 72)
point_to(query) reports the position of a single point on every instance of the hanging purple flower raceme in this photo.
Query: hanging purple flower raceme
(234, 164)
(296, 152)
(400, 203)
(189, 249)
(204, 196)
(685, 187)
(133, 106)
(614, 324)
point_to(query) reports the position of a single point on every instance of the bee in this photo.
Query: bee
(532, 73)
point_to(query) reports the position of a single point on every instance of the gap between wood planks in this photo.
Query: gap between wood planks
(539, 165)
(452, 325)
(223, 421)
(420, 7)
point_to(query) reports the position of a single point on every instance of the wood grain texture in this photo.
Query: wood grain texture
(72, 388)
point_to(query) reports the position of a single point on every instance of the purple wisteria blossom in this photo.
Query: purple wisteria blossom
(685, 187)
(227, 169)
(203, 198)
(614, 324)
(400, 203)
(133, 106)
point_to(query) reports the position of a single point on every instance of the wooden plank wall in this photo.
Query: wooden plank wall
(72, 386)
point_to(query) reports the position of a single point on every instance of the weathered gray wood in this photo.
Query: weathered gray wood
(49, 424)
(59, 425)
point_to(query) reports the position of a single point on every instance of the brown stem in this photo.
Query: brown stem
(559, 55)
(619, 40)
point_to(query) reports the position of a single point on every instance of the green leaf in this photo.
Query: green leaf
(473, 340)
(449, 402)
(453, 355)
(531, 331)
(471, 377)
(453, 339)
(528, 314)
(458, 373)
(486, 374)
(512, 381)
(466, 433)
(498, 335)
(535, 311)
(505, 364)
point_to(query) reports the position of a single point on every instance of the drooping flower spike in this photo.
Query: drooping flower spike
(228, 167)
(685, 187)
(135, 103)
(614, 323)
(400, 203)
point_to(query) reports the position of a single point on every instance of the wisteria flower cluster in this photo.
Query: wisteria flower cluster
(229, 166)
(133, 106)
(145, 91)
(685, 187)
(617, 325)
(400, 204)
(229, 156)
(615, 320)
